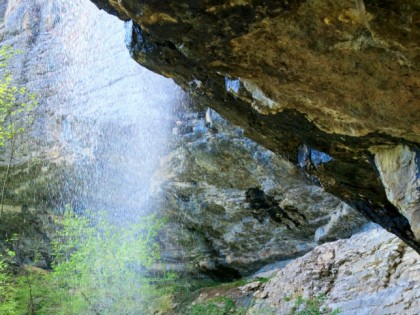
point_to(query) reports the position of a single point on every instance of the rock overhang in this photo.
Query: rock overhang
(341, 78)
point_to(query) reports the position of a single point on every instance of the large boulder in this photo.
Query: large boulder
(373, 272)
(340, 77)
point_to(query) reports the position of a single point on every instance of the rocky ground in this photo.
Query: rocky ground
(373, 272)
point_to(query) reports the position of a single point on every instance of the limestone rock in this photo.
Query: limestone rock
(399, 169)
(235, 206)
(373, 272)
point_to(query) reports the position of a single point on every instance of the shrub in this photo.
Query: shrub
(99, 268)
(16, 105)
(8, 304)
(107, 269)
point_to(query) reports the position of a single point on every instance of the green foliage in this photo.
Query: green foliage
(99, 268)
(263, 279)
(7, 291)
(311, 306)
(104, 269)
(15, 289)
(16, 105)
(187, 293)
(31, 287)
(14, 100)
(186, 289)
(217, 306)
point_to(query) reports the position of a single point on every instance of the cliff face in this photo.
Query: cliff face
(373, 272)
(343, 271)
(303, 77)
(326, 86)
(235, 206)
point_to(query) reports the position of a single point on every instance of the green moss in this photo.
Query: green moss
(262, 279)
(311, 306)
(216, 306)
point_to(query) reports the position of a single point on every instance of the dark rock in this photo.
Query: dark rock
(29, 235)
(341, 78)
(234, 206)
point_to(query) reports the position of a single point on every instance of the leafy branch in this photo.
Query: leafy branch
(16, 112)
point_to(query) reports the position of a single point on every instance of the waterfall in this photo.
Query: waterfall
(101, 114)
(101, 127)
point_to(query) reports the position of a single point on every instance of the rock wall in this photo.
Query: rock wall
(338, 77)
(319, 83)
(399, 168)
(233, 206)
(371, 273)
(29, 234)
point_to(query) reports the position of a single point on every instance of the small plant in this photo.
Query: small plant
(311, 306)
(8, 304)
(262, 279)
(216, 306)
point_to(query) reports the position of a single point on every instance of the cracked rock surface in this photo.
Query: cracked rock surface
(235, 206)
(371, 273)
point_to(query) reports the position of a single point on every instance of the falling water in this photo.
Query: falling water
(102, 125)
(124, 110)
(101, 114)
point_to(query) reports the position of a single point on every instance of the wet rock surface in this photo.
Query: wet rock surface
(234, 206)
(399, 168)
(90, 109)
(338, 77)
(28, 233)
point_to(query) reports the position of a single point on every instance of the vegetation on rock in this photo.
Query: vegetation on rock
(311, 306)
(16, 105)
(7, 291)
(99, 268)
(217, 306)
